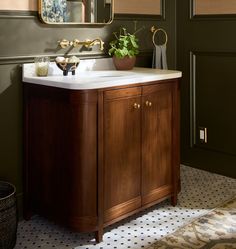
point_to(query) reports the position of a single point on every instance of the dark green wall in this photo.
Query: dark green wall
(207, 57)
(23, 37)
(206, 54)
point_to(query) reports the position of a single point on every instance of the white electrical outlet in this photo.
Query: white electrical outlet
(203, 134)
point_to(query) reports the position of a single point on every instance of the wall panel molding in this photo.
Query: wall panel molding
(18, 5)
(30, 58)
(139, 17)
(192, 95)
(216, 7)
(117, 16)
(6, 60)
(142, 16)
(18, 14)
(221, 100)
(211, 15)
(148, 7)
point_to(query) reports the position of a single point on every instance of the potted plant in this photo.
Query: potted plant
(124, 49)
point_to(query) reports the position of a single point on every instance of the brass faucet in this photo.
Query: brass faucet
(96, 42)
(88, 43)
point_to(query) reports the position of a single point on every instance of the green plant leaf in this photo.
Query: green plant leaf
(125, 44)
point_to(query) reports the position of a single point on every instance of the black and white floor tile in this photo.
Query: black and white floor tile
(200, 192)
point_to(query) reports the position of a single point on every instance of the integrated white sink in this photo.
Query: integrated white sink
(105, 73)
(95, 74)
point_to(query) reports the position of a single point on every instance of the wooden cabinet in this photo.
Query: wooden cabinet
(101, 155)
(157, 137)
(60, 162)
(138, 148)
(122, 152)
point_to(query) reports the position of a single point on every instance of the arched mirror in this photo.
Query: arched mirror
(76, 11)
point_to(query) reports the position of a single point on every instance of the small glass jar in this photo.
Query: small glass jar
(41, 65)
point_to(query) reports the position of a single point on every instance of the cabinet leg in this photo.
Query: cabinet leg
(99, 235)
(174, 200)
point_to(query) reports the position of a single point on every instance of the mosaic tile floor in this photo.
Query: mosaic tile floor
(201, 191)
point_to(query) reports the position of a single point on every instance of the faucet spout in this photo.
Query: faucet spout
(96, 42)
(89, 43)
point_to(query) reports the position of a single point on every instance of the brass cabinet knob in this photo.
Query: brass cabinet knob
(148, 103)
(136, 106)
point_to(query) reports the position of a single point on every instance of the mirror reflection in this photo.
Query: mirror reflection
(76, 11)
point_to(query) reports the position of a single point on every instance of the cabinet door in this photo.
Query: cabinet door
(157, 142)
(122, 152)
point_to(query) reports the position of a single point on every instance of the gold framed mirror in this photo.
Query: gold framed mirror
(76, 11)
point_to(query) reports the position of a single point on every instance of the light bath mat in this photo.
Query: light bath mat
(214, 230)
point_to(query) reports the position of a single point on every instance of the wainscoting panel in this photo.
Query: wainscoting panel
(11, 127)
(208, 88)
(148, 7)
(212, 98)
(204, 7)
(208, 9)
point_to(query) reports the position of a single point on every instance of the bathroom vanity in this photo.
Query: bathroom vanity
(100, 145)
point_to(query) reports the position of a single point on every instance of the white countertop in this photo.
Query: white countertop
(96, 74)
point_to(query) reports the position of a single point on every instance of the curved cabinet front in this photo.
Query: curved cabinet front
(61, 155)
(93, 157)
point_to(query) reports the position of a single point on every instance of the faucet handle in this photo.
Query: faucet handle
(88, 43)
(75, 42)
(64, 43)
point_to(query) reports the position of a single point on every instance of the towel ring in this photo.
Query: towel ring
(155, 31)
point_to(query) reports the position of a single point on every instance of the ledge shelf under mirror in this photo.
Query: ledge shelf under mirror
(76, 11)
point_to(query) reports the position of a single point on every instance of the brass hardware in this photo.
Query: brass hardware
(148, 103)
(136, 106)
(88, 43)
(75, 43)
(64, 43)
(154, 30)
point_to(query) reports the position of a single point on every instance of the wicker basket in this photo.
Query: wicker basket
(8, 217)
